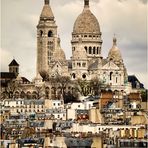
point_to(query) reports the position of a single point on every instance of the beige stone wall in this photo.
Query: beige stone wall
(95, 116)
(138, 120)
(97, 142)
(48, 104)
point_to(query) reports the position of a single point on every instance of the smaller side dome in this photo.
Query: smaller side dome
(114, 53)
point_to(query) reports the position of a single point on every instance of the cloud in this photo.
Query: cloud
(5, 57)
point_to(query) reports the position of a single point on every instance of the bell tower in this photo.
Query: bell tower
(46, 38)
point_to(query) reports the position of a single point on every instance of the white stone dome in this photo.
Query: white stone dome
(86, 22)
(114, 52)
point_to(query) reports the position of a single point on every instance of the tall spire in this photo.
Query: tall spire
(46, 2)
(86, 3)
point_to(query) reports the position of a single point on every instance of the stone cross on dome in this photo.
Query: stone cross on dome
(114, 40)
(86, 3)
(46, 2)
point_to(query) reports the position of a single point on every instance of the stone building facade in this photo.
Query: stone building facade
(87, 61)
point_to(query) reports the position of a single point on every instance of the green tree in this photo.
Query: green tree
(59, 82)
(95, 86)
(144, 95)
(82, 86)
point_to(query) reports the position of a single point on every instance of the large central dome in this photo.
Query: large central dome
(86, 22)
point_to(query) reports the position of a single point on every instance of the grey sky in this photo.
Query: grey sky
(125, 18)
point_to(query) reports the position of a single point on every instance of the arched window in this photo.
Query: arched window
(41, 33)
(97, 50)
(116, 79)
(28, 95)
(50, 34)
(16, 94)
(111, 73)
(84, 76)
(94, 50)
(73, 48)
(34, 95)
(84, 64)
(79, 64)
(73, 75)
(89, 50)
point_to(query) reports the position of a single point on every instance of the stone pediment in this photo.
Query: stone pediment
(110, 65)
(57, 65)
(56, 68)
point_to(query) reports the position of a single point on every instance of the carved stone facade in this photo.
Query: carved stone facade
(86, 62)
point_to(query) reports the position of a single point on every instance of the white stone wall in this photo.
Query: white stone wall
(78, 106)
(71, 114)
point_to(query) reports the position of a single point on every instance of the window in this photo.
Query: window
(84, 64)
(73, 75)
(97, 50)
(116, 80)
(89, 50)
(50, 34)
(84, 76)
(41, 33)
(94, 49)
(78, 106)
(89, 105)
(58, 104)
(16, 70)
(111, 73)
(79, 64)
